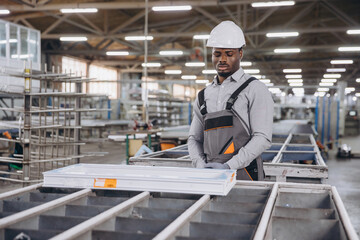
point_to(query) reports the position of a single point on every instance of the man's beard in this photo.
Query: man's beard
(224, 74)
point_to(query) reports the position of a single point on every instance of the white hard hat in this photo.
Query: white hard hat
(226, 35)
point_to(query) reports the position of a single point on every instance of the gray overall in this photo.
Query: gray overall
(225, 134)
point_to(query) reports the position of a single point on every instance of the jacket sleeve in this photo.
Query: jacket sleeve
(261, 108)
(196, 138)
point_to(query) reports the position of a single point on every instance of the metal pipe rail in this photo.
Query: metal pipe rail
(251, 210)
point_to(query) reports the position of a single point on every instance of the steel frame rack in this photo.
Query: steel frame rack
(252, 210)
(294, 157)
(49, 132)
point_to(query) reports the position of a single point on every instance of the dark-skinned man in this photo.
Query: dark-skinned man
(233, 116)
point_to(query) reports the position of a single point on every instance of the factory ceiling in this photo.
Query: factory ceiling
(322, 27)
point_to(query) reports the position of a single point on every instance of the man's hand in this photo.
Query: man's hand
(216, 165)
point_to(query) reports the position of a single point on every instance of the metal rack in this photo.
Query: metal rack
(252, 210)
(295, 157)
(49, 132)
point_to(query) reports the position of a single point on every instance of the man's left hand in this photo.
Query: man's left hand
(216, 165)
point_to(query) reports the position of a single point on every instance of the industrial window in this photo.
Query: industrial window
(76, 66)
(108, 76)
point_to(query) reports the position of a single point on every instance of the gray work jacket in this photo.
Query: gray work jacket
(255, 108)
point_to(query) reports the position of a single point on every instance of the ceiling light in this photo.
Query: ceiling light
(332, 80)
(117, 53)
(287, 50)
(265, 80)
(169, 53)
(293, 76)
(202, 81)
(171, 8)
(341, 61)
(259, 76)
(269, 84)
(349, 89)
(172, 71)
(349, 49)
(195, 64)
(325, 84)
(78, 10)
(323, 89)
(4, 11)
(357, 94)
(245, 64)
(275, 90)
(336, 70)
(188, 77)
(320, 94)
(295, 84)
(209, 71)
(295, 80)
(139, 38)
(293, 70)
(353, 31)
(332, 75)
(358, 80)
(273, 4)
(204, 36)
(151, 64)
(282, 34)
(251, 70)
(73, 39)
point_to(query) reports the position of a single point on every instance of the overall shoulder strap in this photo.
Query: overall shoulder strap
(235, 94)
(202, 103)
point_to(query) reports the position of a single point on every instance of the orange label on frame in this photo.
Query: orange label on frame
(104, 183)
(232, 177)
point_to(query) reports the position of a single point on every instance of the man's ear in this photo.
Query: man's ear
(241, 53)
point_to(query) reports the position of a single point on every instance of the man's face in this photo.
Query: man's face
(226, 60)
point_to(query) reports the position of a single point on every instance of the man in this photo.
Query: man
(233, 116)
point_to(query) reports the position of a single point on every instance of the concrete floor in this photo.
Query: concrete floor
(344, 174)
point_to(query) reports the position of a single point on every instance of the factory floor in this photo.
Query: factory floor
(344, 174)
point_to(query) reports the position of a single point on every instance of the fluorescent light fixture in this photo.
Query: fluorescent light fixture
(195, 64)
(251, 70)
(298, 90)
(295, 84)
(336, 70)
(326, 84)
(139, 38)
(323, 89)
(269, 84)
(203, 36)
(331, 80)
(353, 31)
(358, 80)
(21, 56)
(171, 8)
(188, 77)
(349, 49)
(245, 64)
(287, 50)
(171, 53)
(172, 71)
(209, 71)
(11, 40)
(357, 94)
(151, 64)
(117, 53)
(78, 10)
(341, 61)
(4, 11)
(293, 76)
(259, 76)
(336, 75)
(349, 89)
(282, 34)
(292, 70)
(265, 80)
(273, 4)
(202, 81)
(73, 39)
(295, 80)
(319, 94)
